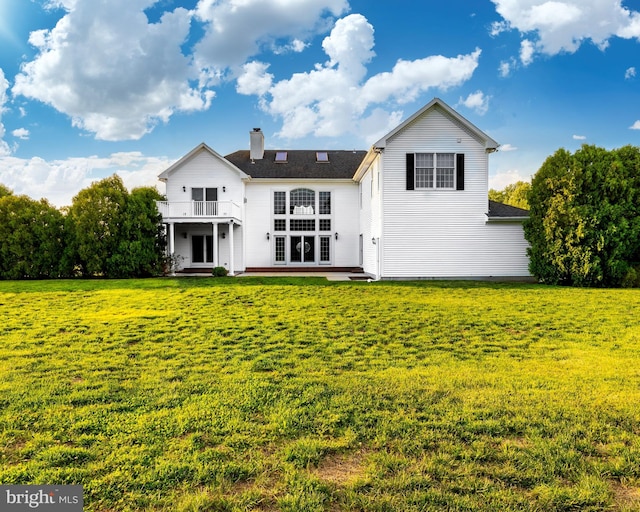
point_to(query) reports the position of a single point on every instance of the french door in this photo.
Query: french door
(303, 249)
(202, 249)
(204, 201)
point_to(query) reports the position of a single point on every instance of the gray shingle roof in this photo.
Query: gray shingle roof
(499, 210)
(300, 164)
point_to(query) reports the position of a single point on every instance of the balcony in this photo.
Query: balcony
(199, 210)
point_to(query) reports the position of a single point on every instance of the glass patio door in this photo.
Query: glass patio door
(303, 249)
(202, 249)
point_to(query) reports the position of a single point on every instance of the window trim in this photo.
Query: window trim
(434, 171)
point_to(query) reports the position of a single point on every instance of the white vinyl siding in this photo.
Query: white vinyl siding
(370, 219)
(342, 202)
(438, 233)
(205, 171)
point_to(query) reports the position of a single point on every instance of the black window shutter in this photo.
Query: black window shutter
(460, 171)
(410, 171)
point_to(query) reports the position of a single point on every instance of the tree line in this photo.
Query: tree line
(583, 227)
(106, 232)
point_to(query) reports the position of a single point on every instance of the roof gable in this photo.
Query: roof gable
(195, 151)
(489, 143)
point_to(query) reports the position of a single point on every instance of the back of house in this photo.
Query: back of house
(414, 206)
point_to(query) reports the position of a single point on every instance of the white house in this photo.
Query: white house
(414, 206)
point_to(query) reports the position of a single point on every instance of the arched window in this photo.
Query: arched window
(302, 201)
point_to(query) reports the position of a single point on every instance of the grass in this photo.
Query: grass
(304, 395)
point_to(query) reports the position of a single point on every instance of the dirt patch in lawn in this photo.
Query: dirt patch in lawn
(626, 498)
(341, 469)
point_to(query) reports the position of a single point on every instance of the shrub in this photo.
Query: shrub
(220, 272)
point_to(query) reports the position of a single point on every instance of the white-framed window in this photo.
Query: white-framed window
(302, 201)
(435, 170)
(301, 221)
(279, 202)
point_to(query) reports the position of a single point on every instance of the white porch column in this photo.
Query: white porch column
(231, 252)
(216, 244)
(172, 245)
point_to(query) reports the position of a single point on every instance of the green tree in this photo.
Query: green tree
(141, 246)
(95, 222)
(515, 194)
(583, 226)
(5, 191)
(31, 238)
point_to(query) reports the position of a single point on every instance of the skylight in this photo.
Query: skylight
(281, 157)
(322, 156)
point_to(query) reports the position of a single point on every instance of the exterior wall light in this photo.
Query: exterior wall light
(336, 235)
(224, 235)
(267, 236)
(184, 235)
(184, 189)
(224, 189)
(373, 241)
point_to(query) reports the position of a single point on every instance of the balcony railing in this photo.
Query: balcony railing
(186, 209)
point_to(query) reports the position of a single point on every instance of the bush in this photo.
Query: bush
(584, 221)
(220, 272)
(632, 277)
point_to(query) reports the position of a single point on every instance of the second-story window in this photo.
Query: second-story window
(434, 170)
(302, 201)
(204, 194)
(324, 206)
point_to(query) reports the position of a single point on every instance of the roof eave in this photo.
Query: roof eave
(506, 219)
(368, 159)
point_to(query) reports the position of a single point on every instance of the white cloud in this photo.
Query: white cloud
(500, 180)
(335, 98)
(476, 101)
(254, 79)
(113, 73)
(21, 133)
(579, 137)
(630, 73)
(60, 180)
(505, 148)
(505, 68)
(237, 29)
(295, 46)
(298, 46)
(563, 25)
(527, 50)
(635, 126)
(4, 86)
(498, 27)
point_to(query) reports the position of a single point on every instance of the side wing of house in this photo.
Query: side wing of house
(204, 211)
(433, 205)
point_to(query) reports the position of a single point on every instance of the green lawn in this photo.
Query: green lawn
(304, 395)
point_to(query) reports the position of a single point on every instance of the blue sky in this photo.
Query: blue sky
(93, 87)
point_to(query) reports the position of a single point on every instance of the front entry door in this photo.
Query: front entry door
(303, 249)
